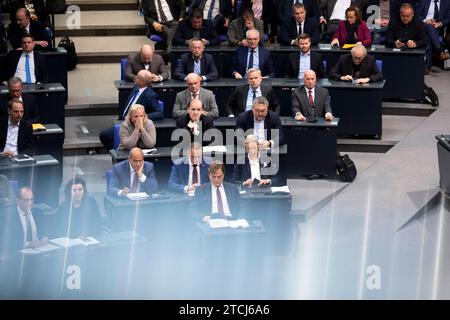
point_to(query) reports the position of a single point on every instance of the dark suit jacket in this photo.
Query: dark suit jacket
(415, 31)
(149, 100)
(120, 178)
(203, 200)
(185, 32)
(37, 30)
(135, 65)
(30, 107)
(444, 10)
(238, 100)
(176, 7)
(246, 121)
(311, 7)
(265, 62)
(207, 123)
(394, 8)
(300, 102)
(179, 175)
(242, 172)
(316, 64)
(12, 59)
(25, 136)
(224, 7)
(344, 66)
(237, 30)
(186, 65)
(288, 31)
(326, 7)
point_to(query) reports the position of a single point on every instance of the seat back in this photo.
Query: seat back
(123, 65)
(379, 65)
(116, 136)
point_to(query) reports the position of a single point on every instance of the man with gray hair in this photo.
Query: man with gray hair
(30, 106)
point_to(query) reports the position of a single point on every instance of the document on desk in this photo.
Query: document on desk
(283, 189)
(66, 242)
(88, 241)
(215, 149)
(223, 223)
(149, 151)
(38, 127)
(29, 251)
(137, 195)
(46, 248)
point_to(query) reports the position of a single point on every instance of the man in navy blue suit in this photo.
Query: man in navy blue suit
(142, 94)
(311, 7)
(189, 172)
(196, 28)
(252, 56)
(133, 175)
(297, 25)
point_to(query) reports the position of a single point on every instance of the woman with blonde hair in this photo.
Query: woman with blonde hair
(137, 130)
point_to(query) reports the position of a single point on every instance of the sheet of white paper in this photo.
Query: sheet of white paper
(137, 195)
(47, 247)
(66, 242)
(87, 241)
(281, 189)
(29, 251)
(218, 223)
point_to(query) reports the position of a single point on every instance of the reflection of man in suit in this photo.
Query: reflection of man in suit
(242, 98)
(261, 121)
(252, 57)
(25, 25)
(133, 175)
(21, 226)
(194, 91)
(196, 61)
(217, 199)
(146, 59)
(16, 135)
(189, 172)
(310, 101)
(297, 25)
(304, 59)
(196, 28)
(27, 64)
(30, 108)
(356, 66)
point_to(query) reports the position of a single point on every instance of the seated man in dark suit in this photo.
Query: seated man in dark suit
(133, 175)
(218, 11)
(298, 24)
(304, 59)
(196, 28)
(196, 61)
(356, 66)
(27, 64)
(24, 25)
(252, 57)
(30, 108)
(243, 96)
(311, 8)
(189, 172)
(16, 135)
(146, 59)
(217, 199)
(310, 101)
(6, 192)
(263, 123)
(240, 26)
(22, 226)
(142, 94)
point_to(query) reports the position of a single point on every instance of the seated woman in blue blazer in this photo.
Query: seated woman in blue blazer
(253, 167)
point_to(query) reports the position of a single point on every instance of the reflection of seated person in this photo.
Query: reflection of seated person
(78, 215)
(137, 130)
(195, 121)
(352, 30)
(253, 166)
(16, 135)
(217, 199)
(189, 172)
(310, 101)
(304, 59)
(356, 66)
(22, 225)
(6, 192)
(133, 175)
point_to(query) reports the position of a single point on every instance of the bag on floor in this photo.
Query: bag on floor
(72, 57)
(430, 96)
(346, 168)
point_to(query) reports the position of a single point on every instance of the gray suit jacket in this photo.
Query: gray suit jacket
(184, 97)
(134, 65)
(237, 30)
(300, 102)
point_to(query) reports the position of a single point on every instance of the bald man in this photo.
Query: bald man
(23, 24)
(146, 59)
(133, 175)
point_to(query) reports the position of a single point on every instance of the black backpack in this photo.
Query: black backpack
(346, 168)
(72, 57)
(430, 95)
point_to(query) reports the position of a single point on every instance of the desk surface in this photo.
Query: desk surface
(38, 88)
(255, 227)
(51, 128)
(168, 198)
(42, 160)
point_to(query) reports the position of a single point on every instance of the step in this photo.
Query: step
(100, 5)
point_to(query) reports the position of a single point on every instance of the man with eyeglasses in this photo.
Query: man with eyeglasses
(357, 67)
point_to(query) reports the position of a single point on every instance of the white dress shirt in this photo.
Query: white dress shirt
(430, 14)
(304, 64)
(215, 10)
(12, 137)
(255, 168)
(226, 209)
(21, 71)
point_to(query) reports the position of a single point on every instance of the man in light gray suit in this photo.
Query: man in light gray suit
(146, 59)
(310, 101)
(194, 91)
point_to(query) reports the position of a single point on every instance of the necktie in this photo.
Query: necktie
(250, 60)
(300, 31)
(197, 34)
(436, 10)
(27, 68)
(161, 12)
(219, 202)
(310, 97)
(135, 183)
(194, 174)
(213, 2)
(29, 231)
(130, 103)
(254, 95)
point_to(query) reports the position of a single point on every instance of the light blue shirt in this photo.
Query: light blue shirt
(259, 131)
(304, 64)
(197, 67)
(255, 58)
(249, 104)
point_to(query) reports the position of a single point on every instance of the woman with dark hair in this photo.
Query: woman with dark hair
(78, 215)
(352, 30)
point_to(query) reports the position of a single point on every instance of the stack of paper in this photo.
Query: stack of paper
(222, 223)
(283, 189)
(137, 195)
(66, 242)
(88, 241)
(38, 127)
(29, 251)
